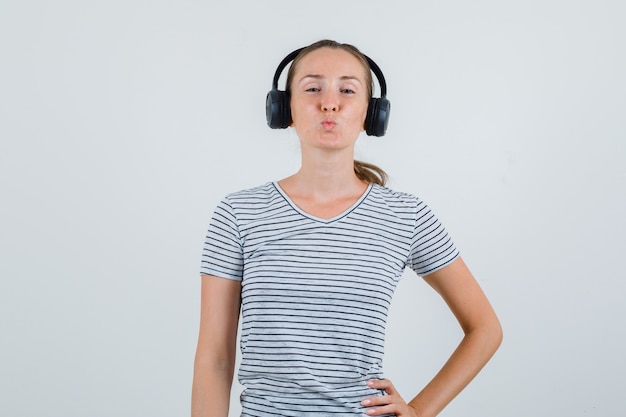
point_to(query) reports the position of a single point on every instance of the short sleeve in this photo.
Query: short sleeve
(431, 246)
(222, 250)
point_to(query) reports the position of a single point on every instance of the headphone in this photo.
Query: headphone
(278, 107)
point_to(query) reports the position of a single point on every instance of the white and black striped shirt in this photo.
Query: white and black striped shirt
(316, 292)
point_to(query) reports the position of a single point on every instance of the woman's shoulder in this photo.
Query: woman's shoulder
(260, 195)
(394, 196)
(257, 191)
(390, 203)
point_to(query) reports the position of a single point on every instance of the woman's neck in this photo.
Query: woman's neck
(325, 178)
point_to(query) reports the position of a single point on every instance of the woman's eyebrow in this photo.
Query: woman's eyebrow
(319, 77)
(350, 77)
(314, 76)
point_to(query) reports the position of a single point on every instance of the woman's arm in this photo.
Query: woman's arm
(215, 355)
(483, 335)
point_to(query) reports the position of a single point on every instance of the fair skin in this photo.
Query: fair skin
(328, 106)
(329, 103)
(482, 336)
(217, 343)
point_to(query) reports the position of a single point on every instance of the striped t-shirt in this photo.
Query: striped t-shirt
(316, 292)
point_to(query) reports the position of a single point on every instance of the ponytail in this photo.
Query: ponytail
(370, 173)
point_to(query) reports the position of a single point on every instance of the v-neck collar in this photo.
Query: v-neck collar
(319, 219)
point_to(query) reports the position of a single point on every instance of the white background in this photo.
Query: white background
(122, 123)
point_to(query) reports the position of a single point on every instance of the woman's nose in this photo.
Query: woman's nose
(330, 103)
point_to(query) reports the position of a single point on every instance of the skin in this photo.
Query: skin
(329, 104)
(329, 101)
(217, 343)
(482, 336)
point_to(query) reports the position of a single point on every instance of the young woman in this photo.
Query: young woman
(312, 261)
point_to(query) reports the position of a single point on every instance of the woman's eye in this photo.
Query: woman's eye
(312, 89)
(347, 91)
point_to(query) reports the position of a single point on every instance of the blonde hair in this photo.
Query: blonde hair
(370, 173)
(365, 171)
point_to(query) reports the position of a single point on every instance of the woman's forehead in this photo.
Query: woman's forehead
(325, 60)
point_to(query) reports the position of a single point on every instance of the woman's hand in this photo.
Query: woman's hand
(392, 403)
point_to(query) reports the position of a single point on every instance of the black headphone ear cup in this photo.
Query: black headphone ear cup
(277, 109)
(377, 117)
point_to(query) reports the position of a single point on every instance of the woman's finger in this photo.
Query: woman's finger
(383, 384)
(390, 404)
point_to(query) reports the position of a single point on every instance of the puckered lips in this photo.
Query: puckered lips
(328, 123)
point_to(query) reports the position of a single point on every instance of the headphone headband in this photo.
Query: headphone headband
(373, 67)
(278, 106)
(286, 60)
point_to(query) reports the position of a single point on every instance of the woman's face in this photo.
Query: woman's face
(329, 98)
